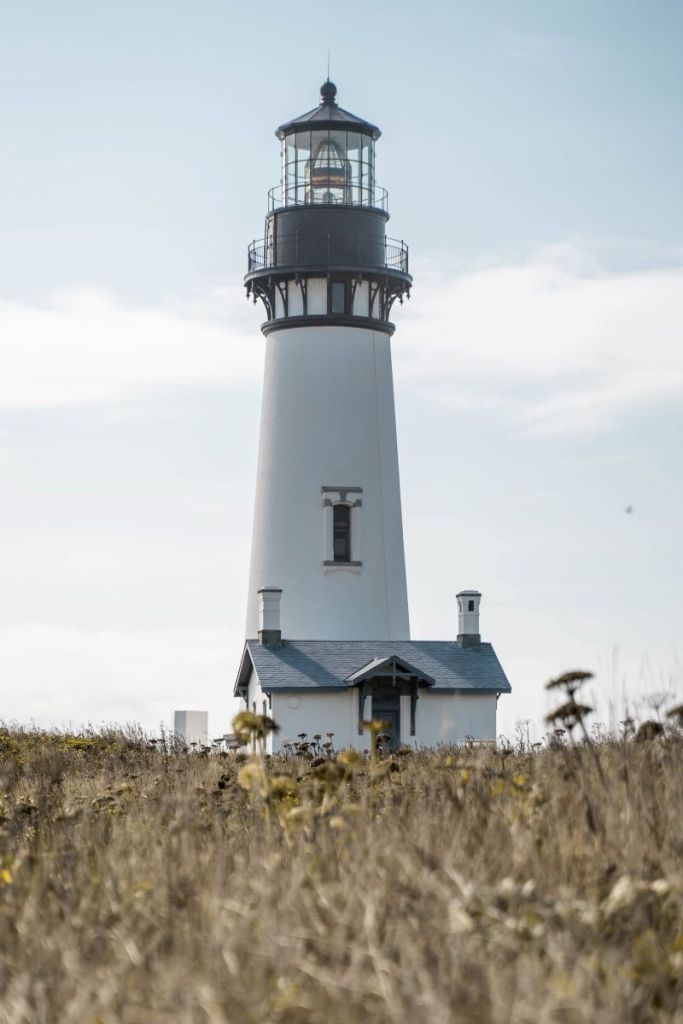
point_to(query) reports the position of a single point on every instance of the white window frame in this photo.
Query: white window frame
(353, 498)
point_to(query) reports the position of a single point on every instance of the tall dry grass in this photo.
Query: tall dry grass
(141, 886)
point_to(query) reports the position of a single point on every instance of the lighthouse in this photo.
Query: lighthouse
(327, 522)
(327, 631)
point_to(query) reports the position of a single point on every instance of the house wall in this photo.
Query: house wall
(258, 701)
(440, 718)
(318, 713)
(452, 717)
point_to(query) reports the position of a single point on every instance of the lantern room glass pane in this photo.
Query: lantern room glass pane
(353, 152)
(297, 152)
(368, 172)
(289, 169)
(328, 167)
(353, 145)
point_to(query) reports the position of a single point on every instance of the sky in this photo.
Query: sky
(532, 153)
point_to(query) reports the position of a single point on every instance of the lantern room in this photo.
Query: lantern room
(325, 253)
(328, 157)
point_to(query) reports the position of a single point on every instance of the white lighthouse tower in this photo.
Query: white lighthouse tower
(327, 522)
(328, 639)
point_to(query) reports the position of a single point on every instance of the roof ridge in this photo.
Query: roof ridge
(304, 640)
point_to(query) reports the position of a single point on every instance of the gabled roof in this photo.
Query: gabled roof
(328, 115)
(380, 665)
(339, 664)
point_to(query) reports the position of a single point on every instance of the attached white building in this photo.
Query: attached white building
(428, 691)
(327, 523)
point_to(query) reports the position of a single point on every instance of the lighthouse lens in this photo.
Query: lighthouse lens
(328, 171)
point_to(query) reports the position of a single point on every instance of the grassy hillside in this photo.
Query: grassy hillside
(139, 885)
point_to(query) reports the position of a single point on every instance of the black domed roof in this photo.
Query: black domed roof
(328, 115)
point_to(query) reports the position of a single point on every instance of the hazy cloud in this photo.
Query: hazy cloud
(554, 343)
(58, 675)
(557, 343)
(86, 346)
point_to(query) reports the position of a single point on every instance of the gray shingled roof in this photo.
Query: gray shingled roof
(328, 664)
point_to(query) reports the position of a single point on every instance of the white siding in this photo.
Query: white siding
(318, 713)
(440, 718)
(452, 717)
(257, 696)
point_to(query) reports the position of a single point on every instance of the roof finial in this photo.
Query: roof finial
(328, 91)
(328, 65)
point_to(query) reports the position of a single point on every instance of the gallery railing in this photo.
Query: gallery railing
(301, 250)
(328, 193)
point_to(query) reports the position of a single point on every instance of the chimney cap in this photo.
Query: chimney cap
(269, 590)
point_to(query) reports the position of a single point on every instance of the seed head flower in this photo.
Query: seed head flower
(677, 714)
(247, 726)
(570, 714)
(569, 681)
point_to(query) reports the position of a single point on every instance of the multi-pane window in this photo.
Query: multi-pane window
(341, 527)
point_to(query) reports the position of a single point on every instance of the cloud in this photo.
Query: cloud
(85, 346)
(557, 344)
(553, 343)
(57, 675)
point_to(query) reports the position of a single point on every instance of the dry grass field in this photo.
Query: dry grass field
(140, 884)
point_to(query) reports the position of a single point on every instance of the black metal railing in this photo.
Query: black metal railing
(300, 250)
(329, 194)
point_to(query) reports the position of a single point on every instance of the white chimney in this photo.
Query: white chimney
(468, 618)
(269, 632)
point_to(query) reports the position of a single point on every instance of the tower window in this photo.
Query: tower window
(337, 300)
(470, 606)
(342, 528)
(342, 533)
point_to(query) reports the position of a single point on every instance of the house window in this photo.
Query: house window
(337, 297)
(341, 540)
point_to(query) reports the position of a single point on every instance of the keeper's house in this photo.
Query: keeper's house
(426, 691)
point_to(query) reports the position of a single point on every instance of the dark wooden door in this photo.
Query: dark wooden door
(386, 707)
